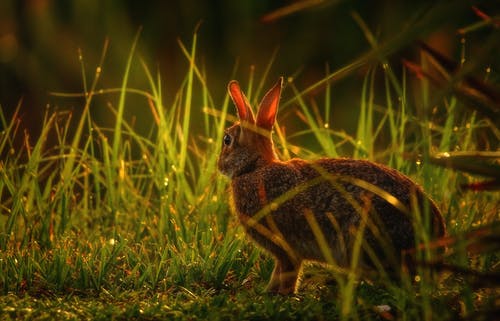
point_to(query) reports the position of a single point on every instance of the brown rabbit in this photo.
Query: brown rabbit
(313, 210)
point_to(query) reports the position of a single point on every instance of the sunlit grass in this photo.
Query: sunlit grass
(121, 222)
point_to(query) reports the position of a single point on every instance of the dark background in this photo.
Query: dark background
(40, 41)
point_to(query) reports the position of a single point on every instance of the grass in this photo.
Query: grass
(121, 223)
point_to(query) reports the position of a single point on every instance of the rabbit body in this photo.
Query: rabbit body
(311, 210)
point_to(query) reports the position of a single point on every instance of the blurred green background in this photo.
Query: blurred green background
(40, 42)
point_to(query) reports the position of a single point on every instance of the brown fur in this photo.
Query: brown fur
(293, 209)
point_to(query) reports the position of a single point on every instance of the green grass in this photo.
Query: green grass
(124, 223)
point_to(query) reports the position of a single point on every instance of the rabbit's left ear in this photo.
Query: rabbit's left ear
(241, 102)
(268, 107)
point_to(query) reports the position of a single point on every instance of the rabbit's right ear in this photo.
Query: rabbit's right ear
(268, 108)
(245, 112)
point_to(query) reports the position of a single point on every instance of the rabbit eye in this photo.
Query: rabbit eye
(227, 139)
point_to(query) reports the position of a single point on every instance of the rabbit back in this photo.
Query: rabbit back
(288, 195)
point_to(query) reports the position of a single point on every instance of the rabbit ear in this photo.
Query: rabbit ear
(244, 110)
(268, 107)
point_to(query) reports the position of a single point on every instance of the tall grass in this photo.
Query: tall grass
(84, 212)
(89, 209)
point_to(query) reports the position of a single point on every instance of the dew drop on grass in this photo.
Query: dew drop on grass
(384, 308)
(210, 140)
(326, 125)
(98, 70)
(165, 181)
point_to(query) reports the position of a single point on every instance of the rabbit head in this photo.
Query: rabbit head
(247, 144)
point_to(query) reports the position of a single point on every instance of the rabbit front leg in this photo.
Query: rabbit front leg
(284, 277)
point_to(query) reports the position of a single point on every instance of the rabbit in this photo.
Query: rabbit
(301, 210)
